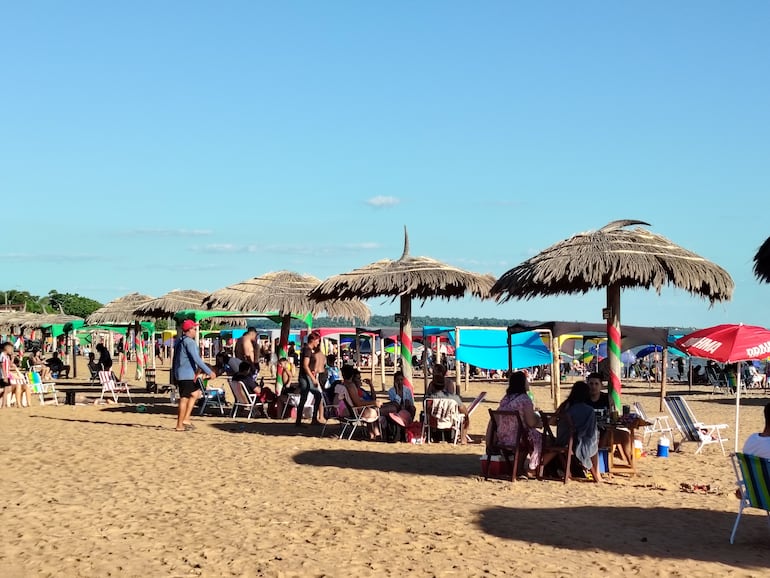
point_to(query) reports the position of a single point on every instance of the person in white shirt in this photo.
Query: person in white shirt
(758, 444)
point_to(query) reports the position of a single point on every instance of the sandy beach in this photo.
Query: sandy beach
(107, 490)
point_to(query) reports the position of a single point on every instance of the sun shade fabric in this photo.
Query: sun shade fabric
(631, 336)
(488, 348)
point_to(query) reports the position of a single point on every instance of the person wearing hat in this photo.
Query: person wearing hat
(183, 368)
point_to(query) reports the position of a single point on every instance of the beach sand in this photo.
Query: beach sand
(107, 491)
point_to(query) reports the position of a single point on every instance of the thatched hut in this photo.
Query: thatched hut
(120, 310)
(406, 278)
(614, 257)
(167, 305)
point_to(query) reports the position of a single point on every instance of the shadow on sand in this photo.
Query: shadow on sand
(636, 531)
(413, 462)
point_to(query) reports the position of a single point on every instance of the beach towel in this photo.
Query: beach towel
(443, 410)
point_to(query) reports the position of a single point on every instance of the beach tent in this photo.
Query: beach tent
(488, 348)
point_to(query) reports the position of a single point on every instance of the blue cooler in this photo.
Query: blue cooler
(604, 460)
(663, 444)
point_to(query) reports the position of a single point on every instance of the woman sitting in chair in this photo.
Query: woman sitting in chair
(346, 394)
(516, 399)
(576, 417)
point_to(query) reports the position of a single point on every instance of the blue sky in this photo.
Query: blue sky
(151, 146)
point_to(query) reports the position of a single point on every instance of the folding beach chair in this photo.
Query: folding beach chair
(660, 424)
(354, 419)
(111, 385)
(42, 389)
(211, 398)
(753, 476)
(496, 417)
(717, 380)
(441, 414)
(245, 399)
(691, 429)
(293, 401)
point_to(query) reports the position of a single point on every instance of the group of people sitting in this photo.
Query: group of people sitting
(575, 418)
(14, 383)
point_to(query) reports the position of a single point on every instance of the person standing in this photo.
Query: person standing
(105, 361)
(308, 379)
(183, 367)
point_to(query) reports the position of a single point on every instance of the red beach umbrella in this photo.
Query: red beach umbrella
(729, 343)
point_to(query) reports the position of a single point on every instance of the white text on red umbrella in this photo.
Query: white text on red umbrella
(758, 349)
(704, 344)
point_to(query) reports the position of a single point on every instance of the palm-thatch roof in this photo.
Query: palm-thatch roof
(614, 255)
(166, 305)
(27, 320)
(285, 292)
(417, 277)
(762, 262)
(121, 310)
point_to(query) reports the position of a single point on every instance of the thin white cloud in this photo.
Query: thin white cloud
(311, 249)
(383, 201)
(49, 257)
(171, 232)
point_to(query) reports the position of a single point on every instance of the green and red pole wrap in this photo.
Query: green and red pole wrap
(406, 359)
(613, 350)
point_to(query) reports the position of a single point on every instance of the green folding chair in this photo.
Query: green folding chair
(753, 476)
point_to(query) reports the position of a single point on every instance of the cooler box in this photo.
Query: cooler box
(498, 467)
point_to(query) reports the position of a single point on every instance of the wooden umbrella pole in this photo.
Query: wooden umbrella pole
(613, 343)
(406, 340)
(283, 344)
(382, 363)
(663, 372)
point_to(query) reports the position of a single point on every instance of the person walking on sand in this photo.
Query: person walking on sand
(308, 379)
(183, 366)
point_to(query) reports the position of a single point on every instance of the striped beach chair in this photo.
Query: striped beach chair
(690, 428)
(753, 476)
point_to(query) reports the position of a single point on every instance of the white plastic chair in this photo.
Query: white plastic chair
(660, 423)
(243, 398)
(111, 385)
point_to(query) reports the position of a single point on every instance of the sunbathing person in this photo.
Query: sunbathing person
(516, 399)
(37, 363)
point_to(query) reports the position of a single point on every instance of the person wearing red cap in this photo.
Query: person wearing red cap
(183, 366)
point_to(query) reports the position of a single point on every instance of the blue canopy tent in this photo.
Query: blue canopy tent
(488, 348)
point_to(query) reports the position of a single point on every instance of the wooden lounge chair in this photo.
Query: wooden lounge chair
(753, 476)
(496, 446)
(551, 447)
(690, 428)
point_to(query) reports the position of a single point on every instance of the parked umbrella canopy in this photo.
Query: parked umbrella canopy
(406, 278)
(165, 306)
(287, 293)
(121, 310)
(762, 262)
(614, 257)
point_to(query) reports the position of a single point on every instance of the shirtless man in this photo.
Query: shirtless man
(245, 348)
(319, 366)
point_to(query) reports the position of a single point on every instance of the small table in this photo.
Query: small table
(628, 465)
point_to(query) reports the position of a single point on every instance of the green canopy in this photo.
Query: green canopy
(147, 327)
(197, 315)
(57, 329)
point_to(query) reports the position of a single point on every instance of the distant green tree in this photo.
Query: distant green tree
(72, 304)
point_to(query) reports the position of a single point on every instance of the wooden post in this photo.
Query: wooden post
(382, 362)
(555, 371)
(663, 373)
(372, 357)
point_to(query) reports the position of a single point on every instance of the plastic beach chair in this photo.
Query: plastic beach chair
(111, 385)
(660, 423)
(753, 476)
(690, 428)
(243, 398)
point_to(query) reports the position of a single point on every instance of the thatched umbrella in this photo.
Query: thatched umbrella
(285, 292)
(614, 257)
(762, 262)
(120, 310)
(165, 306)
(408, 278)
